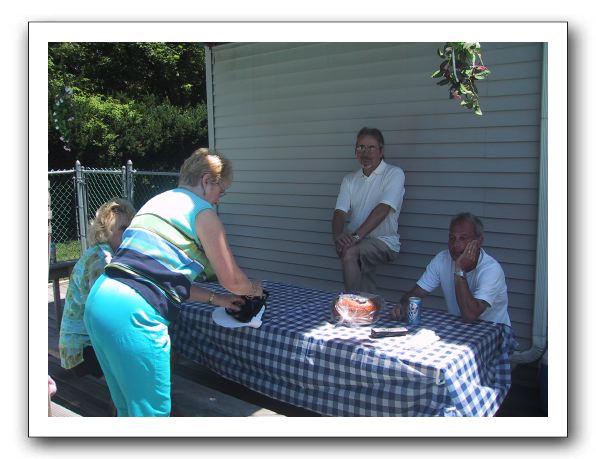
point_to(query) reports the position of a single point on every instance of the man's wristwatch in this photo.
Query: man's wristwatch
(356, 237)
(460, 273)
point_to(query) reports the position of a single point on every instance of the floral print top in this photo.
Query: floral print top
(73, 335)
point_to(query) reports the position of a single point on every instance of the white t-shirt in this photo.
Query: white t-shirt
(486, 282)
(360, 194)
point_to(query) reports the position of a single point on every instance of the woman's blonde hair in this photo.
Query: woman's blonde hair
(204, 161)
(98, 227)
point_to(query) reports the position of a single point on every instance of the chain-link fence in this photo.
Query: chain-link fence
(76, 194)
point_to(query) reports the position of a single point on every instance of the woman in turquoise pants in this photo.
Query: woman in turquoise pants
(175, 239)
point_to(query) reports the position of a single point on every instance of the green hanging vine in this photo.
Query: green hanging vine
(462, 65)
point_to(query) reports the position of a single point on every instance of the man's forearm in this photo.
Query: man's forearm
(469, 307)
(376, 216)
(338, 223)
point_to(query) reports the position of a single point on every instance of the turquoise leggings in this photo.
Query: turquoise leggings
(132, 344)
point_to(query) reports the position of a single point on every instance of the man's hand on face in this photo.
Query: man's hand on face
(469, 258)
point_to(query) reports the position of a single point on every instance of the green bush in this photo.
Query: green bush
(107, 131)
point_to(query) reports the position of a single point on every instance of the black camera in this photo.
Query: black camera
(251, 307)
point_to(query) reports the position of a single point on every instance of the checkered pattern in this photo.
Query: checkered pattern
(298, 356)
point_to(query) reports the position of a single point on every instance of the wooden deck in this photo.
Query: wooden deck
(196, 391)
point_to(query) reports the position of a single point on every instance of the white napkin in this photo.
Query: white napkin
(221, 317)
(422, 339)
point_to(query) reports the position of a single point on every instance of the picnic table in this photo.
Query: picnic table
(301, 357)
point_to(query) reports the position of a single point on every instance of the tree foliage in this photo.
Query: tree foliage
(110, 102)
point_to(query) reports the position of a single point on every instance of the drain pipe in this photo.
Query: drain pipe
(540, 325)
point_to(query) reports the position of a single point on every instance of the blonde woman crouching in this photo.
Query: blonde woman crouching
(104, 238)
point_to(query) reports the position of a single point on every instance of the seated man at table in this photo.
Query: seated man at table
(472, 281)
(372, 197)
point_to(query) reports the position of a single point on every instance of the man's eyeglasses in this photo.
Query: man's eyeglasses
(368, 148)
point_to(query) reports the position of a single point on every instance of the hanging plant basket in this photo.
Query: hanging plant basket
(461, 67)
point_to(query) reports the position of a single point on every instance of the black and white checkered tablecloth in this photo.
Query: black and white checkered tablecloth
(298, 356)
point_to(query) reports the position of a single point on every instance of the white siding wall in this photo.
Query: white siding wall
(287, 115)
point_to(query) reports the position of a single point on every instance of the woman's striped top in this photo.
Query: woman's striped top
(161, 255)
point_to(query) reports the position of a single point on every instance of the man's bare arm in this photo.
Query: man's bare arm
(376, 216)
(341, 239)
(469, 307)
(338, 223)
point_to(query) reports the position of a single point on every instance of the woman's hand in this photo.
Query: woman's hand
(228, 301)
(257, 288)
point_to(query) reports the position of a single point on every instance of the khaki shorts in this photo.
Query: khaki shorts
(373, 252)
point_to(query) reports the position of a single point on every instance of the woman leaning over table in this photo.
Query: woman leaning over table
(104, 236)
(163, 251)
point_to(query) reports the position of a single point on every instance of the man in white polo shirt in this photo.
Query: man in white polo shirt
(472, 281)
(372, 198)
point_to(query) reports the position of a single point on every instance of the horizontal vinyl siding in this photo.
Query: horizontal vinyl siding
(286, 115)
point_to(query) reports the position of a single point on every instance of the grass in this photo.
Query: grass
(69, 250)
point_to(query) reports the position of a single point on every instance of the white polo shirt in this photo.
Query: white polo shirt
(359, 195)
(486, 282)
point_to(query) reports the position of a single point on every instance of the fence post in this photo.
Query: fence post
(49, 224)
(123, 183)
(129, 181)
(81, 205)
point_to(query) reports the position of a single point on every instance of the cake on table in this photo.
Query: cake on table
(356, 309)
